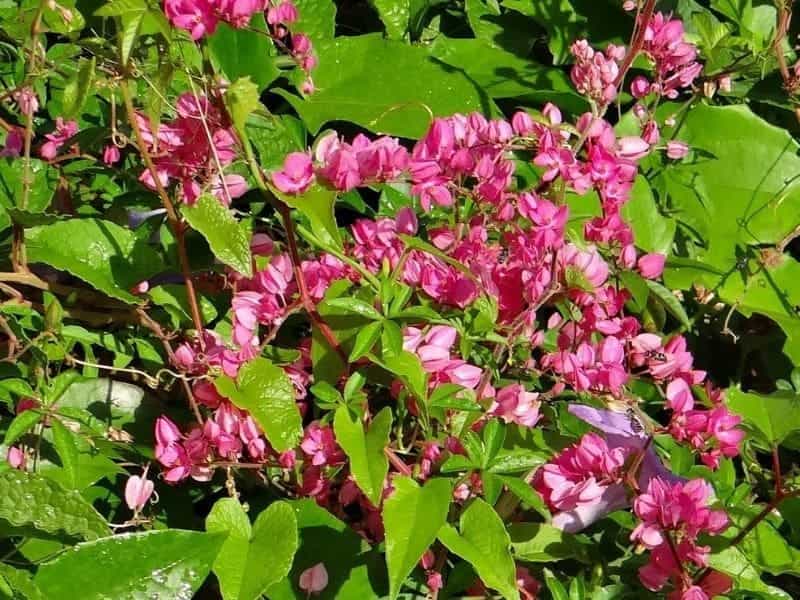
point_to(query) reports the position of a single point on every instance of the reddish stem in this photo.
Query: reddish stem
(397, 462)
(637, 42)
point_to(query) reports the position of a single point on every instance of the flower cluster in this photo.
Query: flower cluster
(193, 149)
(672, 516)
(200, 18)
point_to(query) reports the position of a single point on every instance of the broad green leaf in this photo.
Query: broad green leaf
(557, 589)
(164, 564)
(32, 501)
(245, 52)
(275, 136)
(540, 542)
(368, 463)
(733, 562)
(109, 257)
(412, 516)
(652, 231)
(518, 77)
(771, 417)
(116, 403)
(408, 368)
(252, 558)
(484, 543)
(394, 14)
(316, 204)
(355, 570)
(131, 26)
(228, 238)
(67, 448)
(350, 88)
(317, 19)
(268, 394)
(44, 180)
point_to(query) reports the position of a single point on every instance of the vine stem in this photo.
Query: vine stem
(637, 42)
(176, 224)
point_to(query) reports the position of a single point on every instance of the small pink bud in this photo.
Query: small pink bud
(640, 87)
(307, 88)
(522, 123)
(141, 288)
(15, 457)
(314, 579)
(138, 491)
(651, 265)
(110, 154)
(725, 84)
(627, 257)
(427, 560)
(628, 5)
(677, 150)
(261, 244)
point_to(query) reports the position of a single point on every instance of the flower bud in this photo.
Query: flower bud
(138, 491)
(314, 579)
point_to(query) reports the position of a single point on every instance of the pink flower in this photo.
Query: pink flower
(198, 17)
(138, 491)
(297, 174)
(640, 87)
(514, 404)
(111, 154)
(27, 100)
(15, 140)
(578, 484)
(320, 445)
(632, 148)
(314, 579)
(63, 131)
(651, 265)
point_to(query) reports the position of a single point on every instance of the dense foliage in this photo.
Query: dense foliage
(399, 298)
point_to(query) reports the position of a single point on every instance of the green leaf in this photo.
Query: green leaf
(540, 542)
(316, 204)
(733, 562)
(484, 542)
(652, 231)
(275, 136)
(78, 87)
(163, 564)
(356, 306)
(556, 588)
(44, 180)
(110, 258)
(670, 302)
(365, 449)
(412, 516)
(64, 441)
(349, 88)
(117, 8)
(131, 26)
(355, 570)
(317, 19)
(228, 238)
(771, 417)
(21, 583)
(30, 500)
(518, 77)
(394, 14)
(21, 425)
(268, 394)
(242, 100)
(408, 368)
(174, 299)
(365, 340)
(252, 558)
(245, 52)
